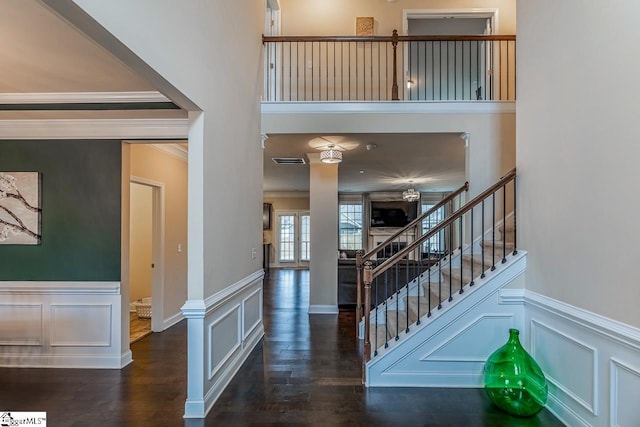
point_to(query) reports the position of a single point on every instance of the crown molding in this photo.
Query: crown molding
(95, 129)
(174, 150)
(83, 97)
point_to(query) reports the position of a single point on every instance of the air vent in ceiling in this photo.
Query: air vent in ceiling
(289, 160)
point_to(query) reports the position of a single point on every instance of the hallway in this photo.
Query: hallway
(304, 372)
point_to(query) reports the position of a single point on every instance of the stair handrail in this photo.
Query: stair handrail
(369, 272)
(417, 221)
(361, 258)
(389, 262)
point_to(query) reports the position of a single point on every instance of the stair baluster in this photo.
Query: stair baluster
(493, 232)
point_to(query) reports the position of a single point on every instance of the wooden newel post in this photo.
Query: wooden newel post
(367, 277)
(394, 87)
(359, 255)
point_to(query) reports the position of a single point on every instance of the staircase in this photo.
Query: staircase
(434, 292)
(437, 328)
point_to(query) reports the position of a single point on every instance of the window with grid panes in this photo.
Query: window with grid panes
(305, 237)
(350, 225)
(435, 243)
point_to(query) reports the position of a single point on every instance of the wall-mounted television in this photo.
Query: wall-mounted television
(393, 213)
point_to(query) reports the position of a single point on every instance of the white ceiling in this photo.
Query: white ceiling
(40, 52)
(435, 162)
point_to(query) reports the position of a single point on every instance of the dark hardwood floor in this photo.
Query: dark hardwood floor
(304, 372)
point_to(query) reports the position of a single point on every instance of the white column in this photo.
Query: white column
(194, 309)
(323, 268)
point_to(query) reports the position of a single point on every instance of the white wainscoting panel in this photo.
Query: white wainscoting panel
(223, 330)
(491, 328)
(21, 324)
(92, 317)
(592, 363)
(61, 324)
(625, 381)
(252, 309)
(224, 339)
(579, 380)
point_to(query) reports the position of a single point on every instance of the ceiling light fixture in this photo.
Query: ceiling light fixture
(411, 195)
(331, 155)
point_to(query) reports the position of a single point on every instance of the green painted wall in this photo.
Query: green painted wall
(81, 188)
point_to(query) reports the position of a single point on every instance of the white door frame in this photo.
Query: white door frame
(158, 251)
(489, 13)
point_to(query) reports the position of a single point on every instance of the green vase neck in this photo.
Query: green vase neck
(514, 337)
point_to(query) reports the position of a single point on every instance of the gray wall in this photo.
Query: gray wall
(578, 151)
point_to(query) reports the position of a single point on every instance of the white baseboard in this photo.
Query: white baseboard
(18, 360)
(172, 320)
(592, 363)
(323, 309)
(126, 358)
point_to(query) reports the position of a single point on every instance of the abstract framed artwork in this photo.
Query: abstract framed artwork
(20, 208)
(364, 25)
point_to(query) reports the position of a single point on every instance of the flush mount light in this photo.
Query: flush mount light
(331, 155)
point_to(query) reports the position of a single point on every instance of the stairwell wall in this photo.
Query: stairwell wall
(577, 151)
(577, 156)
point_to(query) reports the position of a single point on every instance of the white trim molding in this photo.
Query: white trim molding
(391, 107)
(83, 97)
(46, 129)
(53, 288)
(223, 330)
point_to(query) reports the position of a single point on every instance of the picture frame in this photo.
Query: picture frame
(20, 208)
(266, 216)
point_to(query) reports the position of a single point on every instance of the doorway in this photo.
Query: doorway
(449, 69)
(293, 236)
(146, 257)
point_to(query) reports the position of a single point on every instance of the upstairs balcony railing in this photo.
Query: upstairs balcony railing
(390, 68)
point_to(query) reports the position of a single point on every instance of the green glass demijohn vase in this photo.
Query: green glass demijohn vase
(513, 380)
